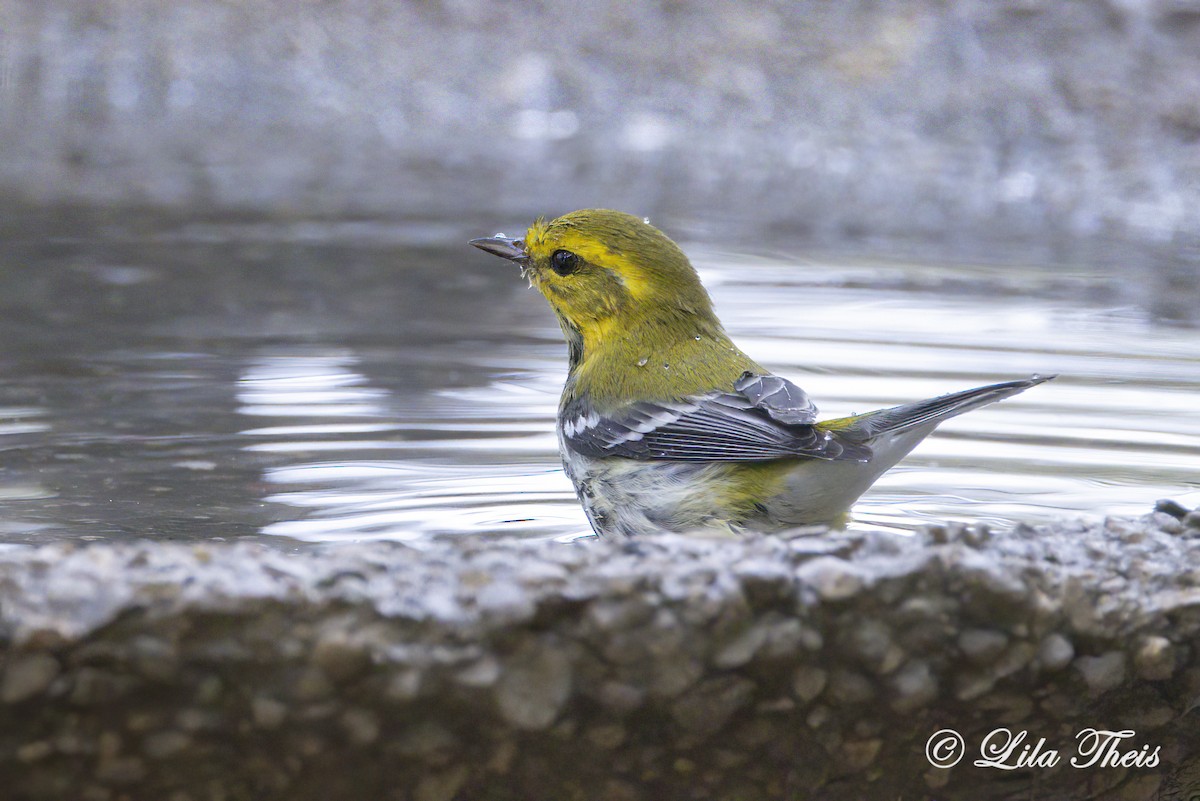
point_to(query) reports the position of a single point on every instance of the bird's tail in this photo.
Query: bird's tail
(926, 413)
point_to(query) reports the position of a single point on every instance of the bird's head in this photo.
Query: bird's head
(605, 272)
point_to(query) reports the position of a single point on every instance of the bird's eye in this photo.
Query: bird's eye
(564, 262)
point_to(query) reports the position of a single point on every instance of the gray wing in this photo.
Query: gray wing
(778, 397)
(765, 418)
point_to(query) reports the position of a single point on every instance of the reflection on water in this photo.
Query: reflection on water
(406, 491)
(402, 500)
(317, 391)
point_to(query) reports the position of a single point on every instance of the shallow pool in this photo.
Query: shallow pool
(344, 381)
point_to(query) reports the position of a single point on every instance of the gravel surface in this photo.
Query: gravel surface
(815, 666)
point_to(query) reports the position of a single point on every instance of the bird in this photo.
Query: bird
(664, 424)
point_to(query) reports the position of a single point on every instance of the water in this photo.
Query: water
(351, 381)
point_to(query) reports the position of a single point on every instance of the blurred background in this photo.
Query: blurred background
(1000, 120)
(235, 300)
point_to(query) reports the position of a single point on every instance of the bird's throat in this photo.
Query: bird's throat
(574, 339)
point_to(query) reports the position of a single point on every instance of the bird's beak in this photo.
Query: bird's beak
(502, 246)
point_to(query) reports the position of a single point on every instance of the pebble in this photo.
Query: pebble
(506, 601)
(1171, 507)
(268, 713)
(833, 579)
(482, 673)
(1055, 652)
(35, 751)
(620, 697)
(1155, 658)
(500, 761)
(870, 643)
(808, 682)
(706, 708)
(1013, 659)
(425, 740)
(1153, 718)
(534, 685)
(441, 786)
(936, 778)
(162, 744)
(311, 684)
(121, 770)
(154, 658)
(977, 535)
(108, 744)
(764, 581)
(195, 720)
(339, 659)
(1006, 707)
(850, 687)
(1102, 673)
(780, 704)
(606, 737)
(209, 690)
(72, 742)
(27, 675)
(93, 686)
(981, 646)
(1160, 521)
(1140, 788)
(786, 636)
(742, 648)
(859, 754)
(360, 725)
(914, 686)
(971, 685)
(674, 673)
(404, 685)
